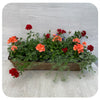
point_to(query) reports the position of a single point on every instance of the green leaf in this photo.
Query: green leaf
(86, 37)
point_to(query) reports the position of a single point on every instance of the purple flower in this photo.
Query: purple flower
(62, 38)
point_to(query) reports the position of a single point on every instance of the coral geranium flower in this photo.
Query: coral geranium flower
(12, 39)
(84, 43)
(14, 72)
(28, 27)
(13, 48)
(40, 47)
(57, 38)
(76, 40)
(54, 34)
(79, 48)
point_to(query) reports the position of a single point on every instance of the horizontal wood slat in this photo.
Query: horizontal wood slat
(45, 66)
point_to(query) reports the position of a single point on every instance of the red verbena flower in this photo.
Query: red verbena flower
(60, 31)
(47, 36)
(28, 27)
(14, 72)
(83, 33)
(63, 31)
(90, 47)
(64, 50)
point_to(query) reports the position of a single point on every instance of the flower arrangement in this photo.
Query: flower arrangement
(55, 49)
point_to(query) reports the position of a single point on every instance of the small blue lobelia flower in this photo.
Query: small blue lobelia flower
(62, 38)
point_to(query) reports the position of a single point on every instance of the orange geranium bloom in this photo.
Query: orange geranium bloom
(84, 43)
(12, 39)
(13, 48)
(79, 48)
(40, 47)
(54, 34)
(76, 40)
(57, 38)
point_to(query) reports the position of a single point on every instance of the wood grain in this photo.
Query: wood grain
(45, 66)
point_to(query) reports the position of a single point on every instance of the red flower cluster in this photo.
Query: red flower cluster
(83, 33)
(28, 27)
(47, 36)
(60, 31)
(64, 50)
(14, 72)
(90, 47)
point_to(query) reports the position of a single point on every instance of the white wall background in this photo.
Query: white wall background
(43, 17)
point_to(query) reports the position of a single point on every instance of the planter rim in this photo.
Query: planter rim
(46, 66)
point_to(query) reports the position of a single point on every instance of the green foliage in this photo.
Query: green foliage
(53, 52)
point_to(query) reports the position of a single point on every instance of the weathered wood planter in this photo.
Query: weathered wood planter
(45, 66)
